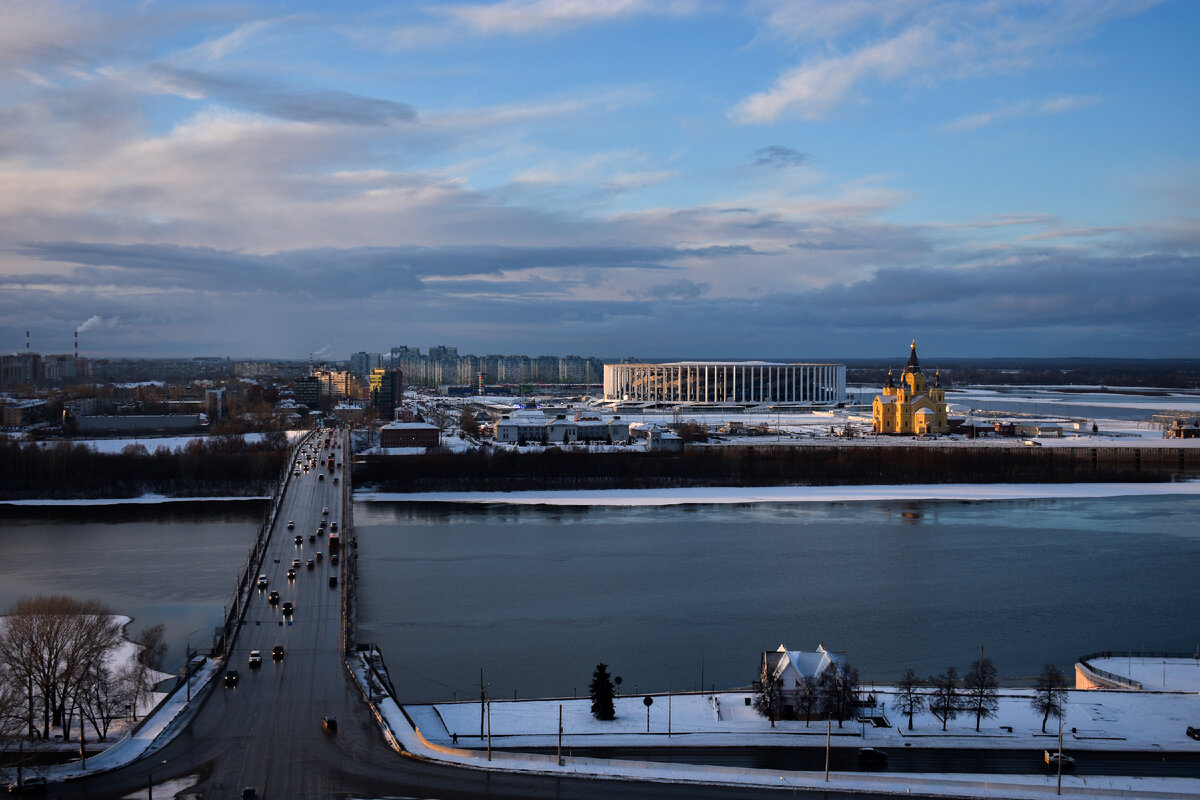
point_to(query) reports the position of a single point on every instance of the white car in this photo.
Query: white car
(255, 659)
(262, 581)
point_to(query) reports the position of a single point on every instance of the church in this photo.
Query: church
(912, 407)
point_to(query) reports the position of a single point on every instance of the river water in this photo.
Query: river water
(669, 597)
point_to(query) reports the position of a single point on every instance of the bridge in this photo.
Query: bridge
(266, 731)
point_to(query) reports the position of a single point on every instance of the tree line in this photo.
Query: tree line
(214, 465)
(56, 670)
(490, 469)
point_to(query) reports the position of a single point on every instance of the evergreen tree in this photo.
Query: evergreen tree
(602, 691)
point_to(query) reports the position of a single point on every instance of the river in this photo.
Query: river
(669, 597)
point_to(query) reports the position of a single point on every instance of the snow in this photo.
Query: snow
(420, 731)
(1155, 674)
(795, 494)
(152, 443)
(142, 499)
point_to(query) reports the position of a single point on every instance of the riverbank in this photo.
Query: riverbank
(793, 494)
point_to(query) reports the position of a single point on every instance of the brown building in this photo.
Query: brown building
(409, 434)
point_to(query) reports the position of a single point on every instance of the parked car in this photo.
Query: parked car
(872, 758)
(231, 678)
(255, 659)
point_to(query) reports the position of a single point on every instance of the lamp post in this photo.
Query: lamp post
(187, 663)
(150, 780)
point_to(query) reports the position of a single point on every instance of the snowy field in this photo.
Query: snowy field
(795, 494)
(1156, 674)
(1094, 720)
(152, 443)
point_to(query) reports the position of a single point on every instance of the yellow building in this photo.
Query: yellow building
(912, 407)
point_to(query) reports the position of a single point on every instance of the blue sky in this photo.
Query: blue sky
(687, 178)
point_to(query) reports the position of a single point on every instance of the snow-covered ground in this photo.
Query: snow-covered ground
(420, 731)
(153, 499)
(1094, 720)
(1156, 674)
(152, 443)
(795, 494)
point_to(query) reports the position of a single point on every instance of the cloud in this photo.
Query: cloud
(522, 17)
(1025, 108)
(920, 43)
(282, 102)
(779, 156)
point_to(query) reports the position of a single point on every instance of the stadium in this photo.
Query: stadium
(726, 382)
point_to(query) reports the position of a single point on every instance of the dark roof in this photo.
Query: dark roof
(913, 364)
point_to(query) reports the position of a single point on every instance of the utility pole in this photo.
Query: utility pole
(482, 702)
(489, 726)
(560, 763)
(828, 732)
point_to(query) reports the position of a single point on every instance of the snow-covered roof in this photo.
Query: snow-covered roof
(886, 399)
(409, 426)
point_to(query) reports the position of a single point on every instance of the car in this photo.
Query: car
(329, 724)
(333, 558)
(872, 758)
(262, 581)
(325, 512)
(320, 476)
(1193, 732)
(335, 479)
(333, 581)
(295, 473)
(296, 563)
(1058, 760)
(291, 574)
(299, 539)
(321, 526)
(312, 537)
(28, 785)
(291, 524)
(277, 652)
(231, 678)
(287, 609)
(255, 659)
(320, 556)
(333, 526)
(249, 793)
(273, 598)
(310, 564)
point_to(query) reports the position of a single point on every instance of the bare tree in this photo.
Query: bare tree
(1050, 694)
(910, 695)
(980, 690)
(806, 696)
(438, 415)
(48, 644)
(838, 685)
(154, 646)
(468, 423)
(943, 699)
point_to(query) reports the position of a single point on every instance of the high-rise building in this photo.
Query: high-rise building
(387, 390)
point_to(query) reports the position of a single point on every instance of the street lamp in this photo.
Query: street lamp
(187, 662)
(150, 780)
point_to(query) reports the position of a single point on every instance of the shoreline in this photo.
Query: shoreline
(719, 495)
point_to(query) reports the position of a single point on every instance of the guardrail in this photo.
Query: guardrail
(237, 608)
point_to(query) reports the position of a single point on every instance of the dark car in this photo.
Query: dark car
(291, 574)
(333, 581)
(333, 526)
(291, 524)
(277, 652)
(329, 724)
(1193, 732)
(319, 556)
(310, 564)
(312, 537)
(287, 609)
(333, 558)
(249, 793)
(273, 598)
(231, 679)
(299, 539)
(871, 758)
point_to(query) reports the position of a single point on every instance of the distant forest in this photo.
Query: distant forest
(1159, 373)
(220, 465)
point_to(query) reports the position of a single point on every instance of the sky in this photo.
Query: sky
(651, 178)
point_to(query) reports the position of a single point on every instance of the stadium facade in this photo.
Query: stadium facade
(720, 382)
